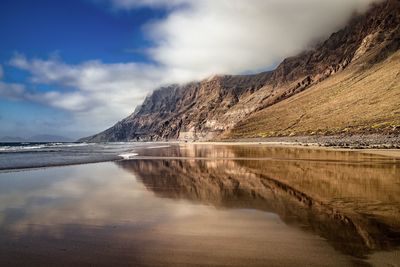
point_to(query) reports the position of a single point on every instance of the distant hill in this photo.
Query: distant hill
(36, 138)
(49, 138)
(12, 139)
(348, 84)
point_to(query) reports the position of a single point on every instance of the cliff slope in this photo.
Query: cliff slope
(349, 83)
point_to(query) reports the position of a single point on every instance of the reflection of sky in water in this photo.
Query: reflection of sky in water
(88, 194)
(181, 210)
(104, 204)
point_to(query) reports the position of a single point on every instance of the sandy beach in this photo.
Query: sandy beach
(376, 149)
(207, 204)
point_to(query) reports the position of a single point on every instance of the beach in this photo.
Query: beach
(206, 204)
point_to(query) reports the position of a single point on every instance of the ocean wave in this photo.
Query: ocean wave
(128, 155)
(75, 144)
(23, 147)
(162, 146)
(20, 148)
(33, 155)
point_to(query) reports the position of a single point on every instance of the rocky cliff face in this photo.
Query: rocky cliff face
(206, 109)
(198, 110)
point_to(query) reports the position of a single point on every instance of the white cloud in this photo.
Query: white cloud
(90, 75)
(12, 91)
(1, 72)
(129, 4)
(98, 94)
(233, 36)
(197, 39)
(73, 101)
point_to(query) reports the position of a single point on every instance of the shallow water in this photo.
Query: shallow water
(35, 155)
(206, 205)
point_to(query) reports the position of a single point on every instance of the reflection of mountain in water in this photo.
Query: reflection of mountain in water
(353, 204)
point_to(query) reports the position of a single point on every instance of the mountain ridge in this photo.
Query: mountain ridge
(220, 107)
(36, 138)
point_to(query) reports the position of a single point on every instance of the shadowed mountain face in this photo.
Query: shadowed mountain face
(350, 199)
(233, 106)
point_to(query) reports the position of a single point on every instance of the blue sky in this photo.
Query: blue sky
(74, 28)
(76, 31)
(76, 67)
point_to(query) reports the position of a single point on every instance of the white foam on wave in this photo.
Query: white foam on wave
(19, 148)
(74, 145)
(28, 147)
(150, 147)
(128, 155)
(32, 147)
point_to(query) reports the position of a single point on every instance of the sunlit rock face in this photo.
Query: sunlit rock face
(199, 110)
(207, 109)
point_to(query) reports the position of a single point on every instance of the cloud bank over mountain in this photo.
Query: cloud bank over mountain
(233, 36)
(195, 40)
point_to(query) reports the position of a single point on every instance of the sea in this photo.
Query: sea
(197, 204)
(21, 155)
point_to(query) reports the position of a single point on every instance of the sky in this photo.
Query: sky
(76, 67)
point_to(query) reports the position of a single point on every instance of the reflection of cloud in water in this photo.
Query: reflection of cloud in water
(99, 207)
(180, 211)
(91, 194)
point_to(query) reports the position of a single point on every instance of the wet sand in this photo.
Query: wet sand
(206, 205)
(343, 140)
(393, 152)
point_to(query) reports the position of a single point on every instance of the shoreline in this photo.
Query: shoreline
(382, 150)
(385, 145)
(359, 141)
(39, 167)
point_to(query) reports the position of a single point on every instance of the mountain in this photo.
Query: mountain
(49, 138)
(348, 84)
(12, 139)
(36, 138)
